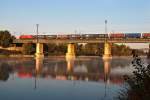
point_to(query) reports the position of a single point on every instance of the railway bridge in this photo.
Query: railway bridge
(71, 44)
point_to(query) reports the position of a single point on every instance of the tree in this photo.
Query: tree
(28, 49)
(5, 38)
(139, 83)
(120, 50)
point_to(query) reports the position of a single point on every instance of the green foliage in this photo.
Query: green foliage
(139, 83)
(28, 49)
(121, 50)
(5, 38)
(57, 49)
(89, 49)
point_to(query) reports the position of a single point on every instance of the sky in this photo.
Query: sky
(70, 16)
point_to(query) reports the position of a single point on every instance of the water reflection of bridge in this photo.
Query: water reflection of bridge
(71, 70)
(70, 74)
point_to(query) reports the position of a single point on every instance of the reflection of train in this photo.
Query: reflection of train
(24, 74)
(88, 36)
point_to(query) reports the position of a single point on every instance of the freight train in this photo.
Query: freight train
(88, 36)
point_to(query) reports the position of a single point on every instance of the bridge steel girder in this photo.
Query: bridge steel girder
(128, 40)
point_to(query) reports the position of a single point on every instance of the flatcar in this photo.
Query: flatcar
(132, 35)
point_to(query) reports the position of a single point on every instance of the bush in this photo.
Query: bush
(139, 83)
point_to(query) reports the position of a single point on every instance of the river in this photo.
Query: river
(58, 78)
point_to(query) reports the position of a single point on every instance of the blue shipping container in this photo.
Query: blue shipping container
(132, 35)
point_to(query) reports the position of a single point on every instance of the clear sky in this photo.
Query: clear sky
(66, 16)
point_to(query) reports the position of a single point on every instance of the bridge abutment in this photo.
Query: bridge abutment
(70, 51)
(39, 50)
(107, 50)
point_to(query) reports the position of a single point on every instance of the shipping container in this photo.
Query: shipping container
(62, 37)
(103, 35)
(85, 36)
(146, 35)
(94, 36)
(51, 36)
(132, 35)
(74, 36)
(116, 35)
(42, 36)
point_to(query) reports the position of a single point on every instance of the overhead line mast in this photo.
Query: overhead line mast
(37, 32)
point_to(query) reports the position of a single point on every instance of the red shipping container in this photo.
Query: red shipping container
(146, 35)
(117, 35)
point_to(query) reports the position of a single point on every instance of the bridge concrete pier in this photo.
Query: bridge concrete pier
(107, 51)
(39, 50)
(70, 51)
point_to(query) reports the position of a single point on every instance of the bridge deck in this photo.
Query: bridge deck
(128, 40)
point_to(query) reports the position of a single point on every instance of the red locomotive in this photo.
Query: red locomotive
(26, 37)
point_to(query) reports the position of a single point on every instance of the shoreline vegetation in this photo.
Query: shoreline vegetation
(138, 87)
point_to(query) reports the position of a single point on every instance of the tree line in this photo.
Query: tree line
(6, 38)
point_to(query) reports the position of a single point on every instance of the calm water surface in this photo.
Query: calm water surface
(58, 78)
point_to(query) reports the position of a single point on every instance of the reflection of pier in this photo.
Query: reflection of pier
(38, 65)
(38, 69)
(70, 63)
(106, 73)
(107, 70)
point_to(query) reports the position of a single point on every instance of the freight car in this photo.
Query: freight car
(93, 36)
(102, 36)
(62, 37)
(51, 36)
(117, 35)
(146, 35)
(132, 35)
(75, 36)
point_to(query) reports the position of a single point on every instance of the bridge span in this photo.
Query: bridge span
(71, 44)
